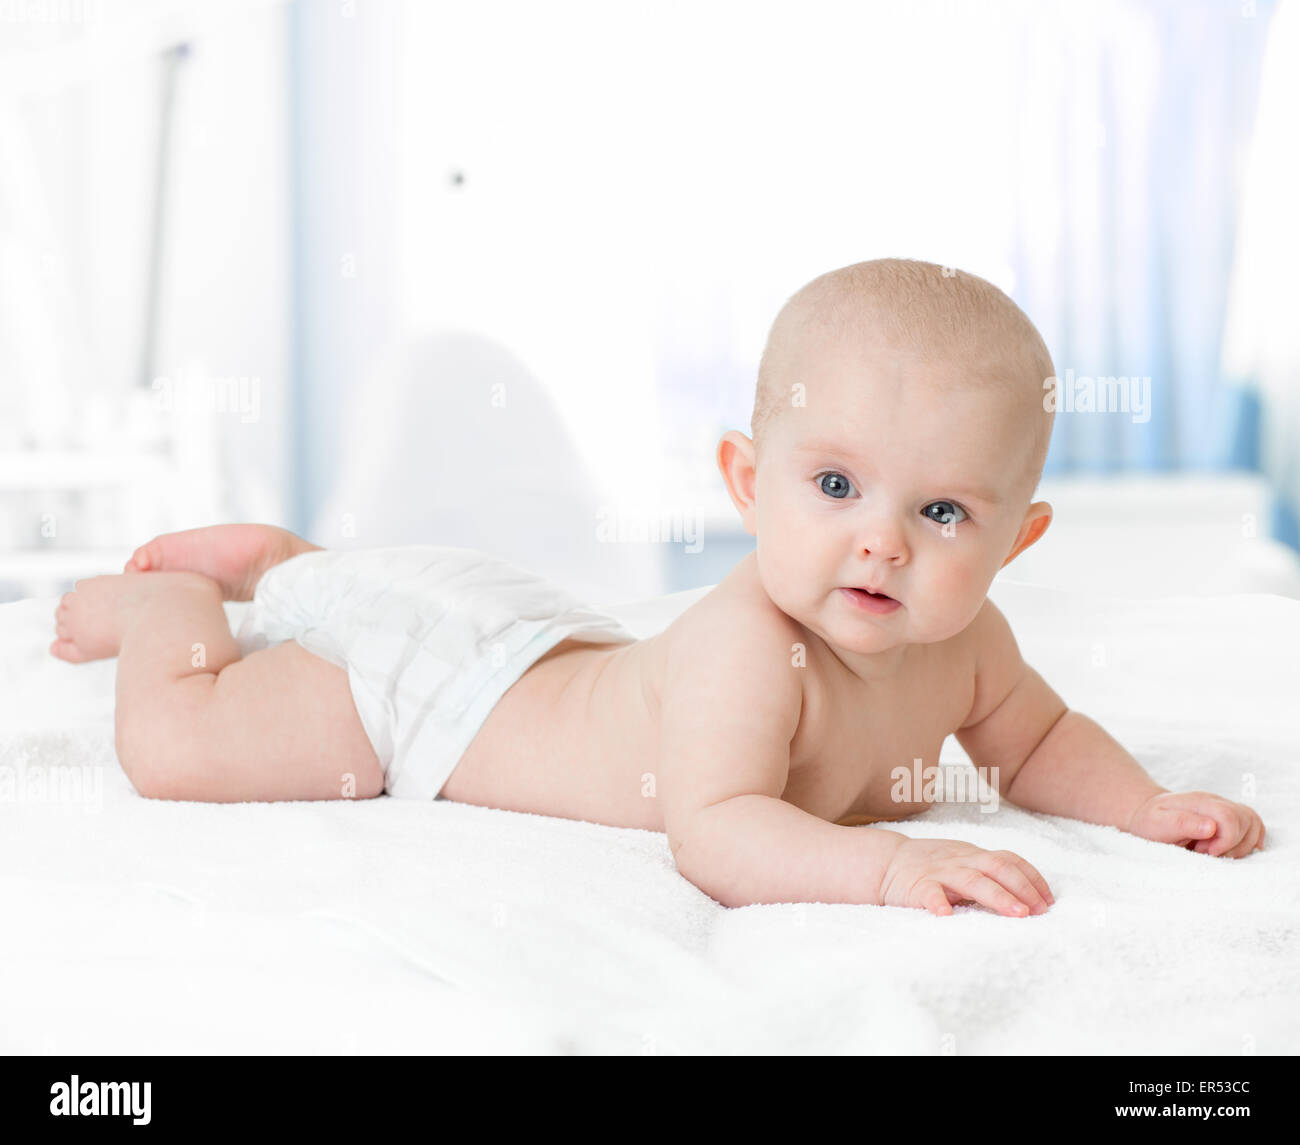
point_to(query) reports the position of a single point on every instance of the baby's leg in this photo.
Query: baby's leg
(197, 722)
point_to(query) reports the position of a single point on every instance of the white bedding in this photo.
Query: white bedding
(391, 926)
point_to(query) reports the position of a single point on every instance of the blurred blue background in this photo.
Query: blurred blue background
(499, 274)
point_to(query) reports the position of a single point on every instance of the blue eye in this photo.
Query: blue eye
(948, 511)
(834, 485)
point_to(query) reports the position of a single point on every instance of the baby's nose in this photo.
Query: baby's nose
(883, 539)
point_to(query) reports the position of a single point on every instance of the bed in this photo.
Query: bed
(388, 926)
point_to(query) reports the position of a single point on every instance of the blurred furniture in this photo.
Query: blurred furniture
(1159, 535)
(139, 273)
(156, 469)
(131, 447)
(453, 441)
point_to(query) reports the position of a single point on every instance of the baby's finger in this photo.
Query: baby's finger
(1248, 841)
(978, 887)
(1010, 870)
(1231, 829)
(933, 898)
(1034, 876)
(1230, 840)
(1183, 827)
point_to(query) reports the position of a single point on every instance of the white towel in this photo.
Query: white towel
(393, 926)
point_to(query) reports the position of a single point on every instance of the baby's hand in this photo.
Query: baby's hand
(933, 874)
(1199, 821)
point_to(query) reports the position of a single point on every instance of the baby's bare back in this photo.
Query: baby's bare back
(578, 736)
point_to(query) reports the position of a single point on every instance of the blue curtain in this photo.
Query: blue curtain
(1137, 285)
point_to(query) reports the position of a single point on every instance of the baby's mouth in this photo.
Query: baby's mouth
(876, 602)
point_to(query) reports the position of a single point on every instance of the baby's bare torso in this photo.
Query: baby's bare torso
(578, 735)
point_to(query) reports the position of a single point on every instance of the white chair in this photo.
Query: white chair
(453, 441)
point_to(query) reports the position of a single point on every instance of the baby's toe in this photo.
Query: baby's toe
(147, 556)
(67, 650)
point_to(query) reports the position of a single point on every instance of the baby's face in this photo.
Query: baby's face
(887, 481)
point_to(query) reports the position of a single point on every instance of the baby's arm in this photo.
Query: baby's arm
(1056, 760)
(730, 707)
(731, 704)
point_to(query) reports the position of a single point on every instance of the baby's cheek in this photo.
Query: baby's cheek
(786, 545)
(780, 570)
(957, 592)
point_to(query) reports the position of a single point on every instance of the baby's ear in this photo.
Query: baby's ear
(1037, 517)
(736, 461)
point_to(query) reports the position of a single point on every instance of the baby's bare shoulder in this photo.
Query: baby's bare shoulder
(741, 603)
(993, 657)
(737, 627)
(989, 636)
(731, 699)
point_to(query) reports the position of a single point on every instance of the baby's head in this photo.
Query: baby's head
(899, 433)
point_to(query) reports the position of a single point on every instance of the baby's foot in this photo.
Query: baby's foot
(235, 556)
(91, 619)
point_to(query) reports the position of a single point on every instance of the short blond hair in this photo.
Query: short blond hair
(934, 312)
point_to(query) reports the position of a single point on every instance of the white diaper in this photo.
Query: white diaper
(431, 638)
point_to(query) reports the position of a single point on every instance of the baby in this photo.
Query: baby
(899, 432)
